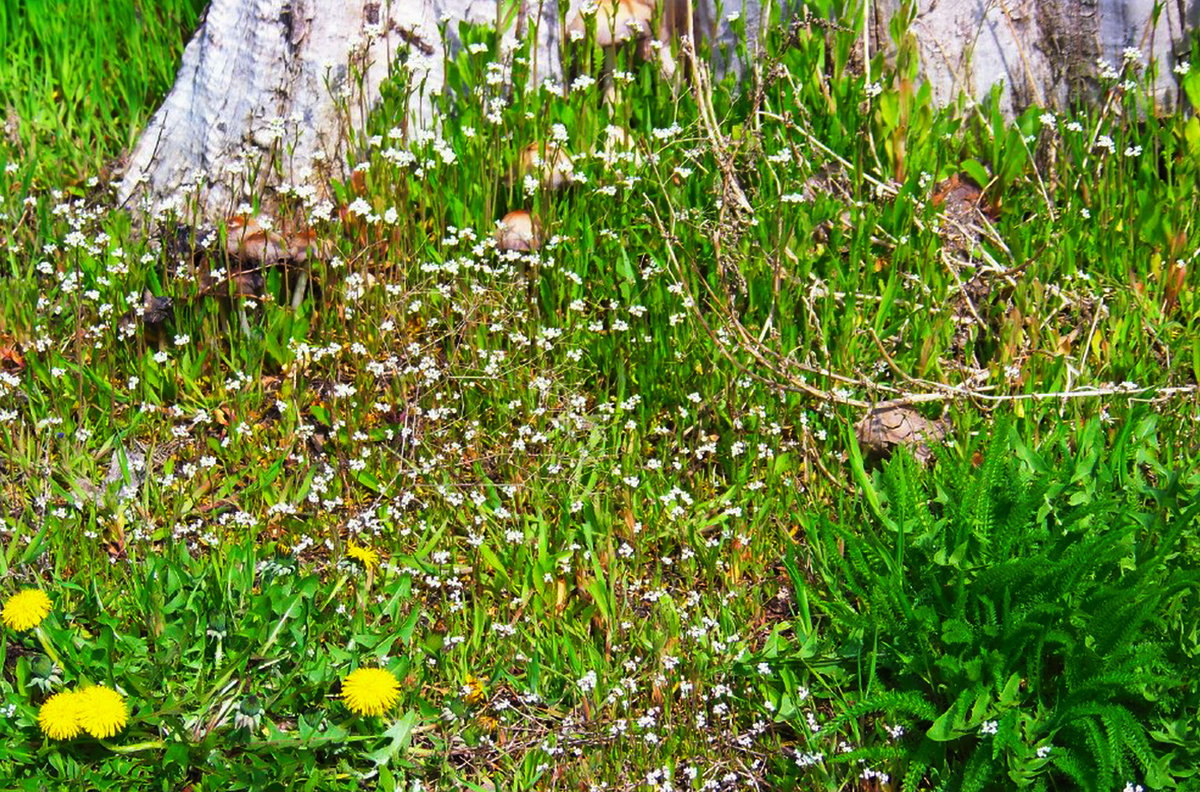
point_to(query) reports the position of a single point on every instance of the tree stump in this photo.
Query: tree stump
(269, 90)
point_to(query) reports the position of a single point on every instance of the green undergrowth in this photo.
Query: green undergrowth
(1014, 618)
(598, 506)
(78, 82)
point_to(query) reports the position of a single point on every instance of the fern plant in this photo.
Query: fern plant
(1023, 617)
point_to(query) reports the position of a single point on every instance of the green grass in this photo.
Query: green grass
(591, 473)
(81, 78)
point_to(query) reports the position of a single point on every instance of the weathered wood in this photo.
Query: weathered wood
(256, 101)
(1045, 52)
(261, 83)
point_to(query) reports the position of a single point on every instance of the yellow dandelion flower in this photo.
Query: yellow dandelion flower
(59, 716)
(102, 711)
(26, 609)
(363, 555)
(473, 690)
(370, 691)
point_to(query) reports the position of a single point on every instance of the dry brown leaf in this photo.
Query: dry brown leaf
(11, 359)
(961, 197)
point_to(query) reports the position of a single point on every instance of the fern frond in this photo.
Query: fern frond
(874, 753)
(1103, 755)
(980, 769)
(914, 775)
(1132, 736)
(892, 703)
(1066, 760)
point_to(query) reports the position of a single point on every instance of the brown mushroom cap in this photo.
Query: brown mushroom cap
(629, 19)
(518, 231)
(549, 163)
(303, 244)
(246, 240)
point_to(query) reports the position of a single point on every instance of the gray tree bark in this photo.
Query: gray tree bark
(277, 81)
(267, 88)
(1045, 52)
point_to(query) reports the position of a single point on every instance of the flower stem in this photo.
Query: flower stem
(148, 745)
(47, 647)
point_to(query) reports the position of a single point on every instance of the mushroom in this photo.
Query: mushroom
(251, 247)
(549, 163)
(619, 148)
(248, 241)
(518, 231)
(620, 21)
(615, 22)
(303, 244)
